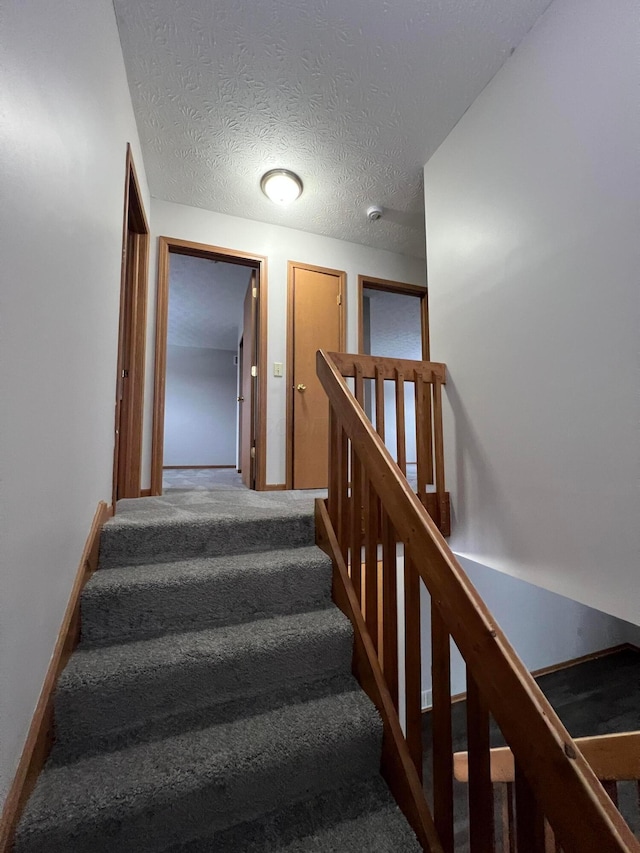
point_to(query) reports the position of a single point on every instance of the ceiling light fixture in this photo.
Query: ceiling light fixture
(281, 186)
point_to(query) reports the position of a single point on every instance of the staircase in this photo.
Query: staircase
(210, 704)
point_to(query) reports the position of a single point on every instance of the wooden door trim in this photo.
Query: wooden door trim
(400, 287)
(172, 245)
(128, 442)
(342, 278)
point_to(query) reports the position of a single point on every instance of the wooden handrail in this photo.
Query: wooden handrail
(347, 364)
(553, 779)
(614, 757)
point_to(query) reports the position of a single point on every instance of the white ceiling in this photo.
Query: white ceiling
(205, 302)
(353, 95)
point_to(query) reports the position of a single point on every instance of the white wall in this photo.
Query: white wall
(66, 119)
(200, 406)
(533, 215)
(280, 245)
(544, 628)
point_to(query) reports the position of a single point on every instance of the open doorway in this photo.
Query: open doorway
(210, 317)
(394, 323)
(206, 299)
(393, 319)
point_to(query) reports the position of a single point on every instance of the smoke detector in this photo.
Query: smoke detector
(374, 213)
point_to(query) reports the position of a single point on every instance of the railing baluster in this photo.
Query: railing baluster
(428, 426)
(400, 427)
(421, 437)
(481, 820)
(530, 833)
(359, 384)
(441, 728)
(334, 469)
(356, 524)
(506, 813)
(412, 661)
(342, 530)
(380, 402)
(371, 561)
(439, 450)
(390, 607)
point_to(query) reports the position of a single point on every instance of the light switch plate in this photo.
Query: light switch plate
(277, 368)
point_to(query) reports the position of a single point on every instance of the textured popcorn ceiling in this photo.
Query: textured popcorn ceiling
(205, 302)
(353, 95)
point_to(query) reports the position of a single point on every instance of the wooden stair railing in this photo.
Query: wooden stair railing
(387, 551)
(421, 430)
(614, 758)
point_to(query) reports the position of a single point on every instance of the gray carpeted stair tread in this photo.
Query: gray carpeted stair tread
(145, 798)
(243, 503)
(109, 688)
(133, 540)
(382, 831)
(155, 598)
(362, 817)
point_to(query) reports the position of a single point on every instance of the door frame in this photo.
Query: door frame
(394, 287)
(132, 328)
(238, 410)
(342, 277)
(172, 245)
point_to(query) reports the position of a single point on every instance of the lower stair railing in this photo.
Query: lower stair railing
(614, 758)
(388, 553)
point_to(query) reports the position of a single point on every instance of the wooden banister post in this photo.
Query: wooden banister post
(400, 425)
(530, 834)
(334, 469)
(413, 661)
(371, 561)
(481, 822)
(441, 730)
(380, 402)
(390, 607)
(443, 505)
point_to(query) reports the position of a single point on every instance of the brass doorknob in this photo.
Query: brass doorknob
(301, 387)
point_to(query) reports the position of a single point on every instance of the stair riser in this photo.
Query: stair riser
(194, 719)
(214, 805)
(134, 544)
(300, 826)
(117, 615)
(87, 714)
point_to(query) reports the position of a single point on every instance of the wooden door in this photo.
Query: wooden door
(125, 384)
(248, 383)
(316, 321)
(127, 451)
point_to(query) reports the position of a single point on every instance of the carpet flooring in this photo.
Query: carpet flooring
(201, 479)
(210, 704)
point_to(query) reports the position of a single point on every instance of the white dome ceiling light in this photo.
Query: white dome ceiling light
(281, 186)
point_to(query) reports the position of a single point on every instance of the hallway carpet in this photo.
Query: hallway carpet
(210, 705)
